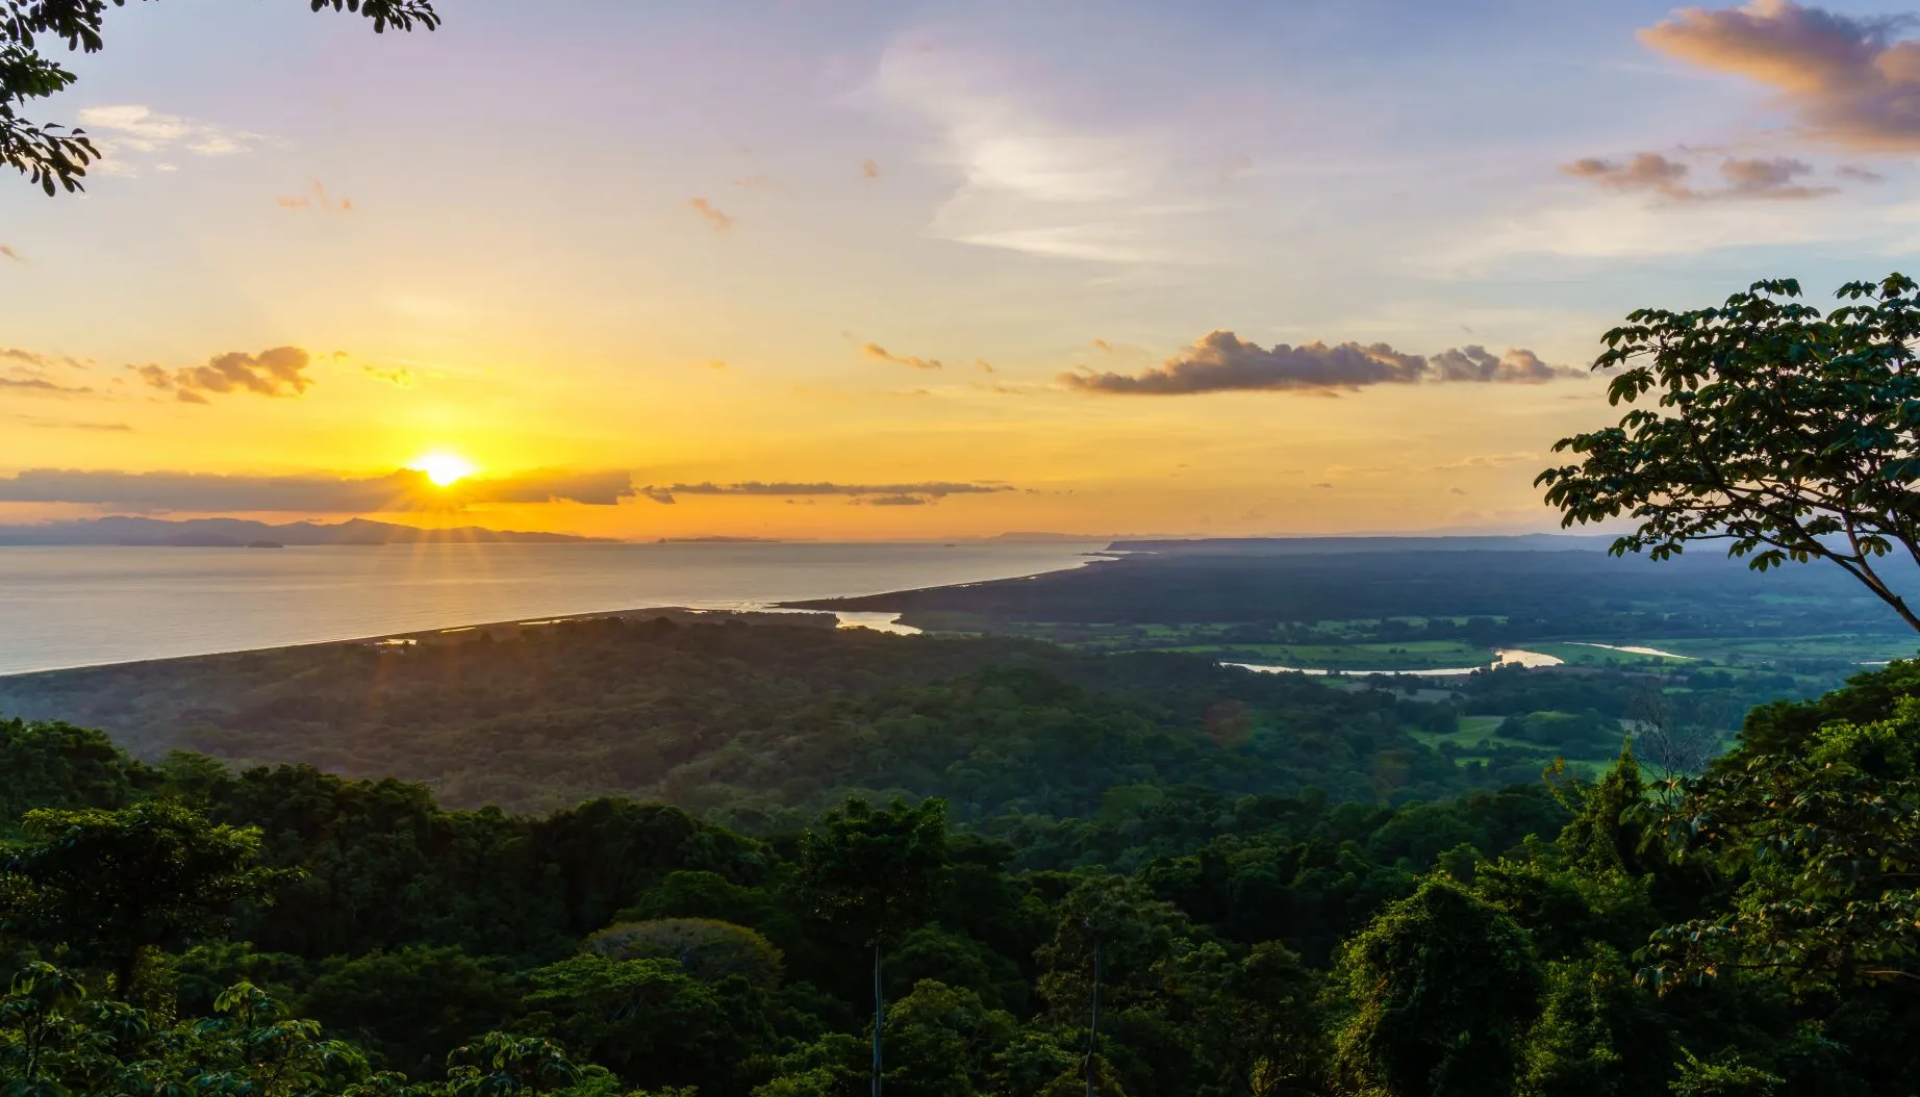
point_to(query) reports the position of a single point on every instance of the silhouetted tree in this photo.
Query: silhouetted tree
(1791, 435)
(53, 157)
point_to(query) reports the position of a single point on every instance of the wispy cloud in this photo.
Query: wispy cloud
(869, 169)
(1489, 461)
(397, 376)
(37, 361)
(279, 371)
(1222, 362)
(879, 353)
(1848, 79)
(122, 130)
(40, 386)
(720, 221)
(69, 424)
(316, 200)
(8, 252)
(1030, 181)
(871, 493)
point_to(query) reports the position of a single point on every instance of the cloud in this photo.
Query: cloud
(41, 385)
(1646, 171)
(1475, 363)
(319, 200)
(1650, 172)
(1859, 174)
(403, 490)
(1222, 362)
(929, 490)
(67, 424)
(597, 489)
(878, 352)
(132, 128)
(279, 371)
(1490, 461)
(1103, 346)
(1772, 178)
(869, 169)
(8, 252)
(1847, 79)
(895, 501)
(398, 376)
(40, 361)
(1032, 177)
(720, 221)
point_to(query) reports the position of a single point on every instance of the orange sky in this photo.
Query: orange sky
(941, 274)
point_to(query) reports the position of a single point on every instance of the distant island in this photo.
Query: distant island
(241, 533)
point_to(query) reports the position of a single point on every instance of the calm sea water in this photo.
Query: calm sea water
(69, 607)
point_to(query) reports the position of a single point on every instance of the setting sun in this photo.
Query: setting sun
(443, 469)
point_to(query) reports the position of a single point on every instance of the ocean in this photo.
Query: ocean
(85, 606)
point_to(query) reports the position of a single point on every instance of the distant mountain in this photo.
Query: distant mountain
(240, 533)
(1042, 538)
(1315, 546)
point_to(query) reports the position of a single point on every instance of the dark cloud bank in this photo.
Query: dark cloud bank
(1222, 362)
(160, 492)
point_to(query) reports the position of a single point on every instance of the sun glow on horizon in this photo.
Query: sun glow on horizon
(443, 469)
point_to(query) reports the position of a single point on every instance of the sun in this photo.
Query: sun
(443, 469)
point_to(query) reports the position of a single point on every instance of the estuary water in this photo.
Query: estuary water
(84, 606)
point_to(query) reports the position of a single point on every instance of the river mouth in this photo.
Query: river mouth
(1501, 657)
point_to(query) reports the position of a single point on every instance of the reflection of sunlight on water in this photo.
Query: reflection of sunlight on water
(878, 622)
(1507, 655)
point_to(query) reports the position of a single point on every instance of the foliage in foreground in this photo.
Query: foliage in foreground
(1723, 934)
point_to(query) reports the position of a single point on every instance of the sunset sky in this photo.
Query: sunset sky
(838, 269)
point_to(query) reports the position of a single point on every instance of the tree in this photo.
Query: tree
(708, 950)
(55, 1039)
(117, 884)
(650, 1022)
(1443, 986)
(54, 157)
(944, 1040)
(55, 764)
(1825, 841)
(1112, 931)
(877, 873)
(412, 1005)
(1791, 435)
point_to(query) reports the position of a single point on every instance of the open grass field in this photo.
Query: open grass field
(1404, 655)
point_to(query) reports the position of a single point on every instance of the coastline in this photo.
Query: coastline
(103, 607)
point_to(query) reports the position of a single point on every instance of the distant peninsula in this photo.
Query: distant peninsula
(241, 533)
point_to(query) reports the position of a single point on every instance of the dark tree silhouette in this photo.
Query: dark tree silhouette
(54, 157)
